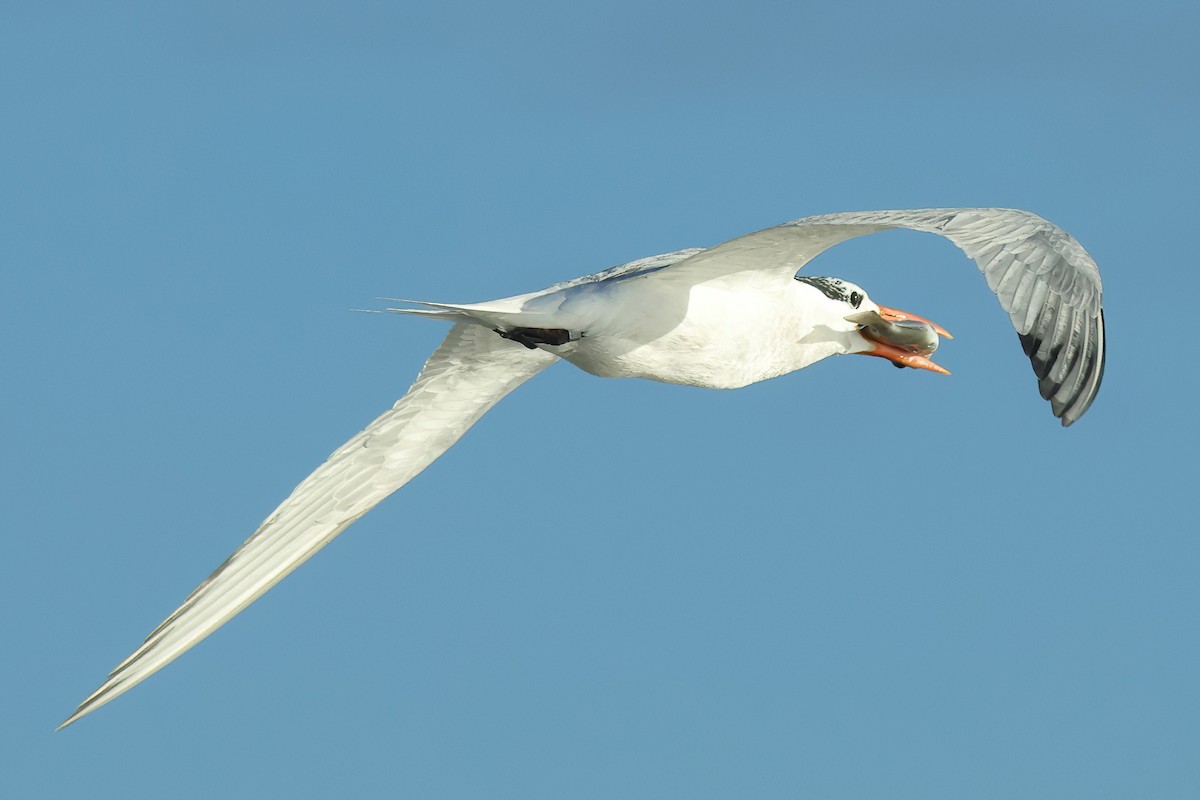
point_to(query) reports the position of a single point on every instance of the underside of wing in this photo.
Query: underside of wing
(468, 374)
(1044, 279)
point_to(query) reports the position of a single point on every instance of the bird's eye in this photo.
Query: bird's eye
(855, 299)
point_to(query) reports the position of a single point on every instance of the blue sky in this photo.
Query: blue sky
(853, 581)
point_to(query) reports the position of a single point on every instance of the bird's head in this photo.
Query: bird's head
(903, 338)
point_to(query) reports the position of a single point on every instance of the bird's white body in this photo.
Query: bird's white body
(722, 334)
(718, 318)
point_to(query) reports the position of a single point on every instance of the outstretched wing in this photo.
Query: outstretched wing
(468, 374)
(1042, 276)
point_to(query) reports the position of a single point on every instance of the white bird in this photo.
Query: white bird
(719, 318)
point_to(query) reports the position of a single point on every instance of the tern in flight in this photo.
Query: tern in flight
(719, 318)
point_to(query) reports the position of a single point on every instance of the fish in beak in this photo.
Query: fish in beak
(904, 339)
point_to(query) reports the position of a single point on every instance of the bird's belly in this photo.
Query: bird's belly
(708, 369)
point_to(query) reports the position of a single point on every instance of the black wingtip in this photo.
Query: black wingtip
(1081, 374)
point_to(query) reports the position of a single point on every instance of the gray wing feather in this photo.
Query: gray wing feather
(631, 269)
(468, 374)
(1044, 279)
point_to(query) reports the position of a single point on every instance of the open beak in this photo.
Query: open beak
(902, 338)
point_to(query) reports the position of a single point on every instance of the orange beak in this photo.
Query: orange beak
(896, 315)
(905, 345)
(903, 358)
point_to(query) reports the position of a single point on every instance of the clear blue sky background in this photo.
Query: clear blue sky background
(850, 582)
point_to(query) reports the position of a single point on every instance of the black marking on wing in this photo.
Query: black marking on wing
(1068, 361)
(532, 337)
